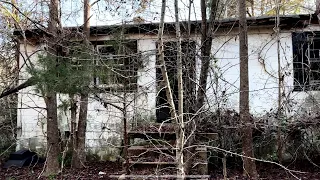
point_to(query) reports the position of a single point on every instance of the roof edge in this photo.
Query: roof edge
(286, 21)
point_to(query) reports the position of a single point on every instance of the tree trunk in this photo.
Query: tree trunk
(205, 52)
(167, 83)
(180, 132)
(73, 128)
(280, 81)
(125, 133)
(163, 64)
(53, 149)
(79, 154)
(206, 44)
(81, 134)
(75, 161)
(247, 148)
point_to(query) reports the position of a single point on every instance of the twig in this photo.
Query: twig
(310, 160)
(255, 159)
(7, 149)
(45, 163)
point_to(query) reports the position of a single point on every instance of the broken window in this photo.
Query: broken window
(116, 63)
(107, 64)
(306, 61)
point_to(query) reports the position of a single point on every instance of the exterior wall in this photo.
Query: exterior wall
(263, 75)
(31, 107)
(104, 123)
(263, 70)
(303, 104)
(147, 90)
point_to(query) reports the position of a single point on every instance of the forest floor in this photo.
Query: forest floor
(102, 170)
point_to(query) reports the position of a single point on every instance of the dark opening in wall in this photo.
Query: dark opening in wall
(306, 60)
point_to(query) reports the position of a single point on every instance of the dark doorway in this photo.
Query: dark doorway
(170, 54)
(163, 109)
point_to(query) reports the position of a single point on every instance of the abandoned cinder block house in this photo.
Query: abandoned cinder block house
(299, 53)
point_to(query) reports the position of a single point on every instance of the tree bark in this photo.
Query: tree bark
(180, 132)
(280, 81)
(53, 149)
(206, 44)
(163, 64)
(73, 127)
(79, 154)
(168, 87)
(125, 132)
(247, 147)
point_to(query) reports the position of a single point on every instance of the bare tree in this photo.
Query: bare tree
(280, 83)
(53, 149)
(206, 44)
(79, 154)
(179, 145)
(180, 133)
(247, 147)
(207, 29)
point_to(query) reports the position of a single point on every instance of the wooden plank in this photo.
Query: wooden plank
(149, 132)
(152, 163)
(152, 148)
(209, 135)
(123, 176)
(152, 135)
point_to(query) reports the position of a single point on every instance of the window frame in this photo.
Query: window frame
(128, 60)
(302, 43)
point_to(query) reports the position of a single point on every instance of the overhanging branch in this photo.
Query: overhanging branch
(7, 92)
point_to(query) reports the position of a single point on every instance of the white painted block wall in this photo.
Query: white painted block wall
(106, 123)
(31, 107)
(263, 86)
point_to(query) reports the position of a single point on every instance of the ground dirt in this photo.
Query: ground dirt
(266, 171)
